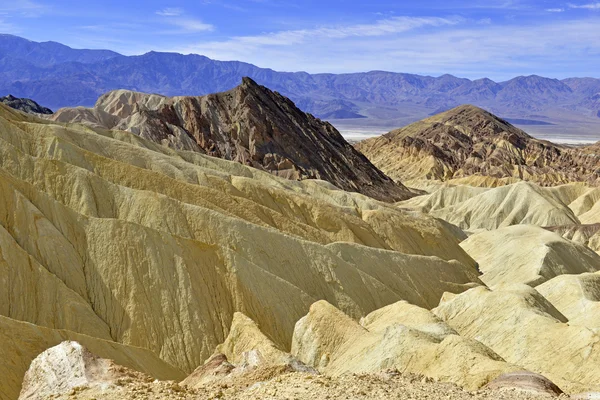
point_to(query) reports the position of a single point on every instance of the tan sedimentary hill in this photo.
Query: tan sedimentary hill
(249, 124)
(469, 141)
(473, 208)
(587, 206)
(402, 337)
(577, 297)
(69, 370)
(587, 209)
(245, 336)
(177, 264)
(585, 234)
(247, 354)
(527, 254)
(570, 210)
(525, 329)
(109, 235)
(430, 186)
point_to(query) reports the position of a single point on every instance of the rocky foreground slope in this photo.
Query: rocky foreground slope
(467, 141)
(115, 241)
(70, 371)
(249, 124)
(132, 270)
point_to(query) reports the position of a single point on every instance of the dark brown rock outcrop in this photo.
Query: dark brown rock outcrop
(249, 124)
(468, 141)
(25, 105)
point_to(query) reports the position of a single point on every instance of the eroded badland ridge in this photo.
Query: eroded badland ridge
(467, 141)
(249, 124)
(177, 248)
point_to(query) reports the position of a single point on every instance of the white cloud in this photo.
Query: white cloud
(189, 25)
(384, 27)
(555, 10)
(445, 46)
(183, 24)
(498, 4)
(170, 12)
(590, 6)
(23, 8)
(7, 27)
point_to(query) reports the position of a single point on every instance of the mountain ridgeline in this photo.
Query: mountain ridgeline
(25, 105)
(467, 141)
(249, 124)
(58, 76)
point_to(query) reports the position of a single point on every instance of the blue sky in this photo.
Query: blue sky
(499, 39)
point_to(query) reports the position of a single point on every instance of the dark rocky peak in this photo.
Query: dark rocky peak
(249, 124)
(25, 105)
(474, 121)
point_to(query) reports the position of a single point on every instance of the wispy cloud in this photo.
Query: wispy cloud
(589, 6)
(7, 27)
(555, 10)
(499, 4)
(170, 12)
(190, 25)
(380, 28)
(423, 45)
(23, 8)
(183, 24)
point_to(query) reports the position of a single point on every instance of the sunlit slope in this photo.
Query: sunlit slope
(524, 328)
(469, 141)
(22, 342)
(249, 124)
(401, 337)
(564, 208)
(527, 254)
(113, 236)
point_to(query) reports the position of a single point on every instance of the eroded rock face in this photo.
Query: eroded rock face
(250, 125)
(401, 337)
(527, 254)
(524, 328)
(585, 234)
(577, 297)
(245, 353)
(22, 342)
(476, 208)
(280, 384)
(104, 233)
(25, 105)
(525, 381)
(68, 367)
(469, 141)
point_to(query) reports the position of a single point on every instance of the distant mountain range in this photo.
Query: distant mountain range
(57, 76)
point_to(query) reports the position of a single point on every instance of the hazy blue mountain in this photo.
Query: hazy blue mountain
(534, 87)
(58, 76)
(48, 53)
(584, 86)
